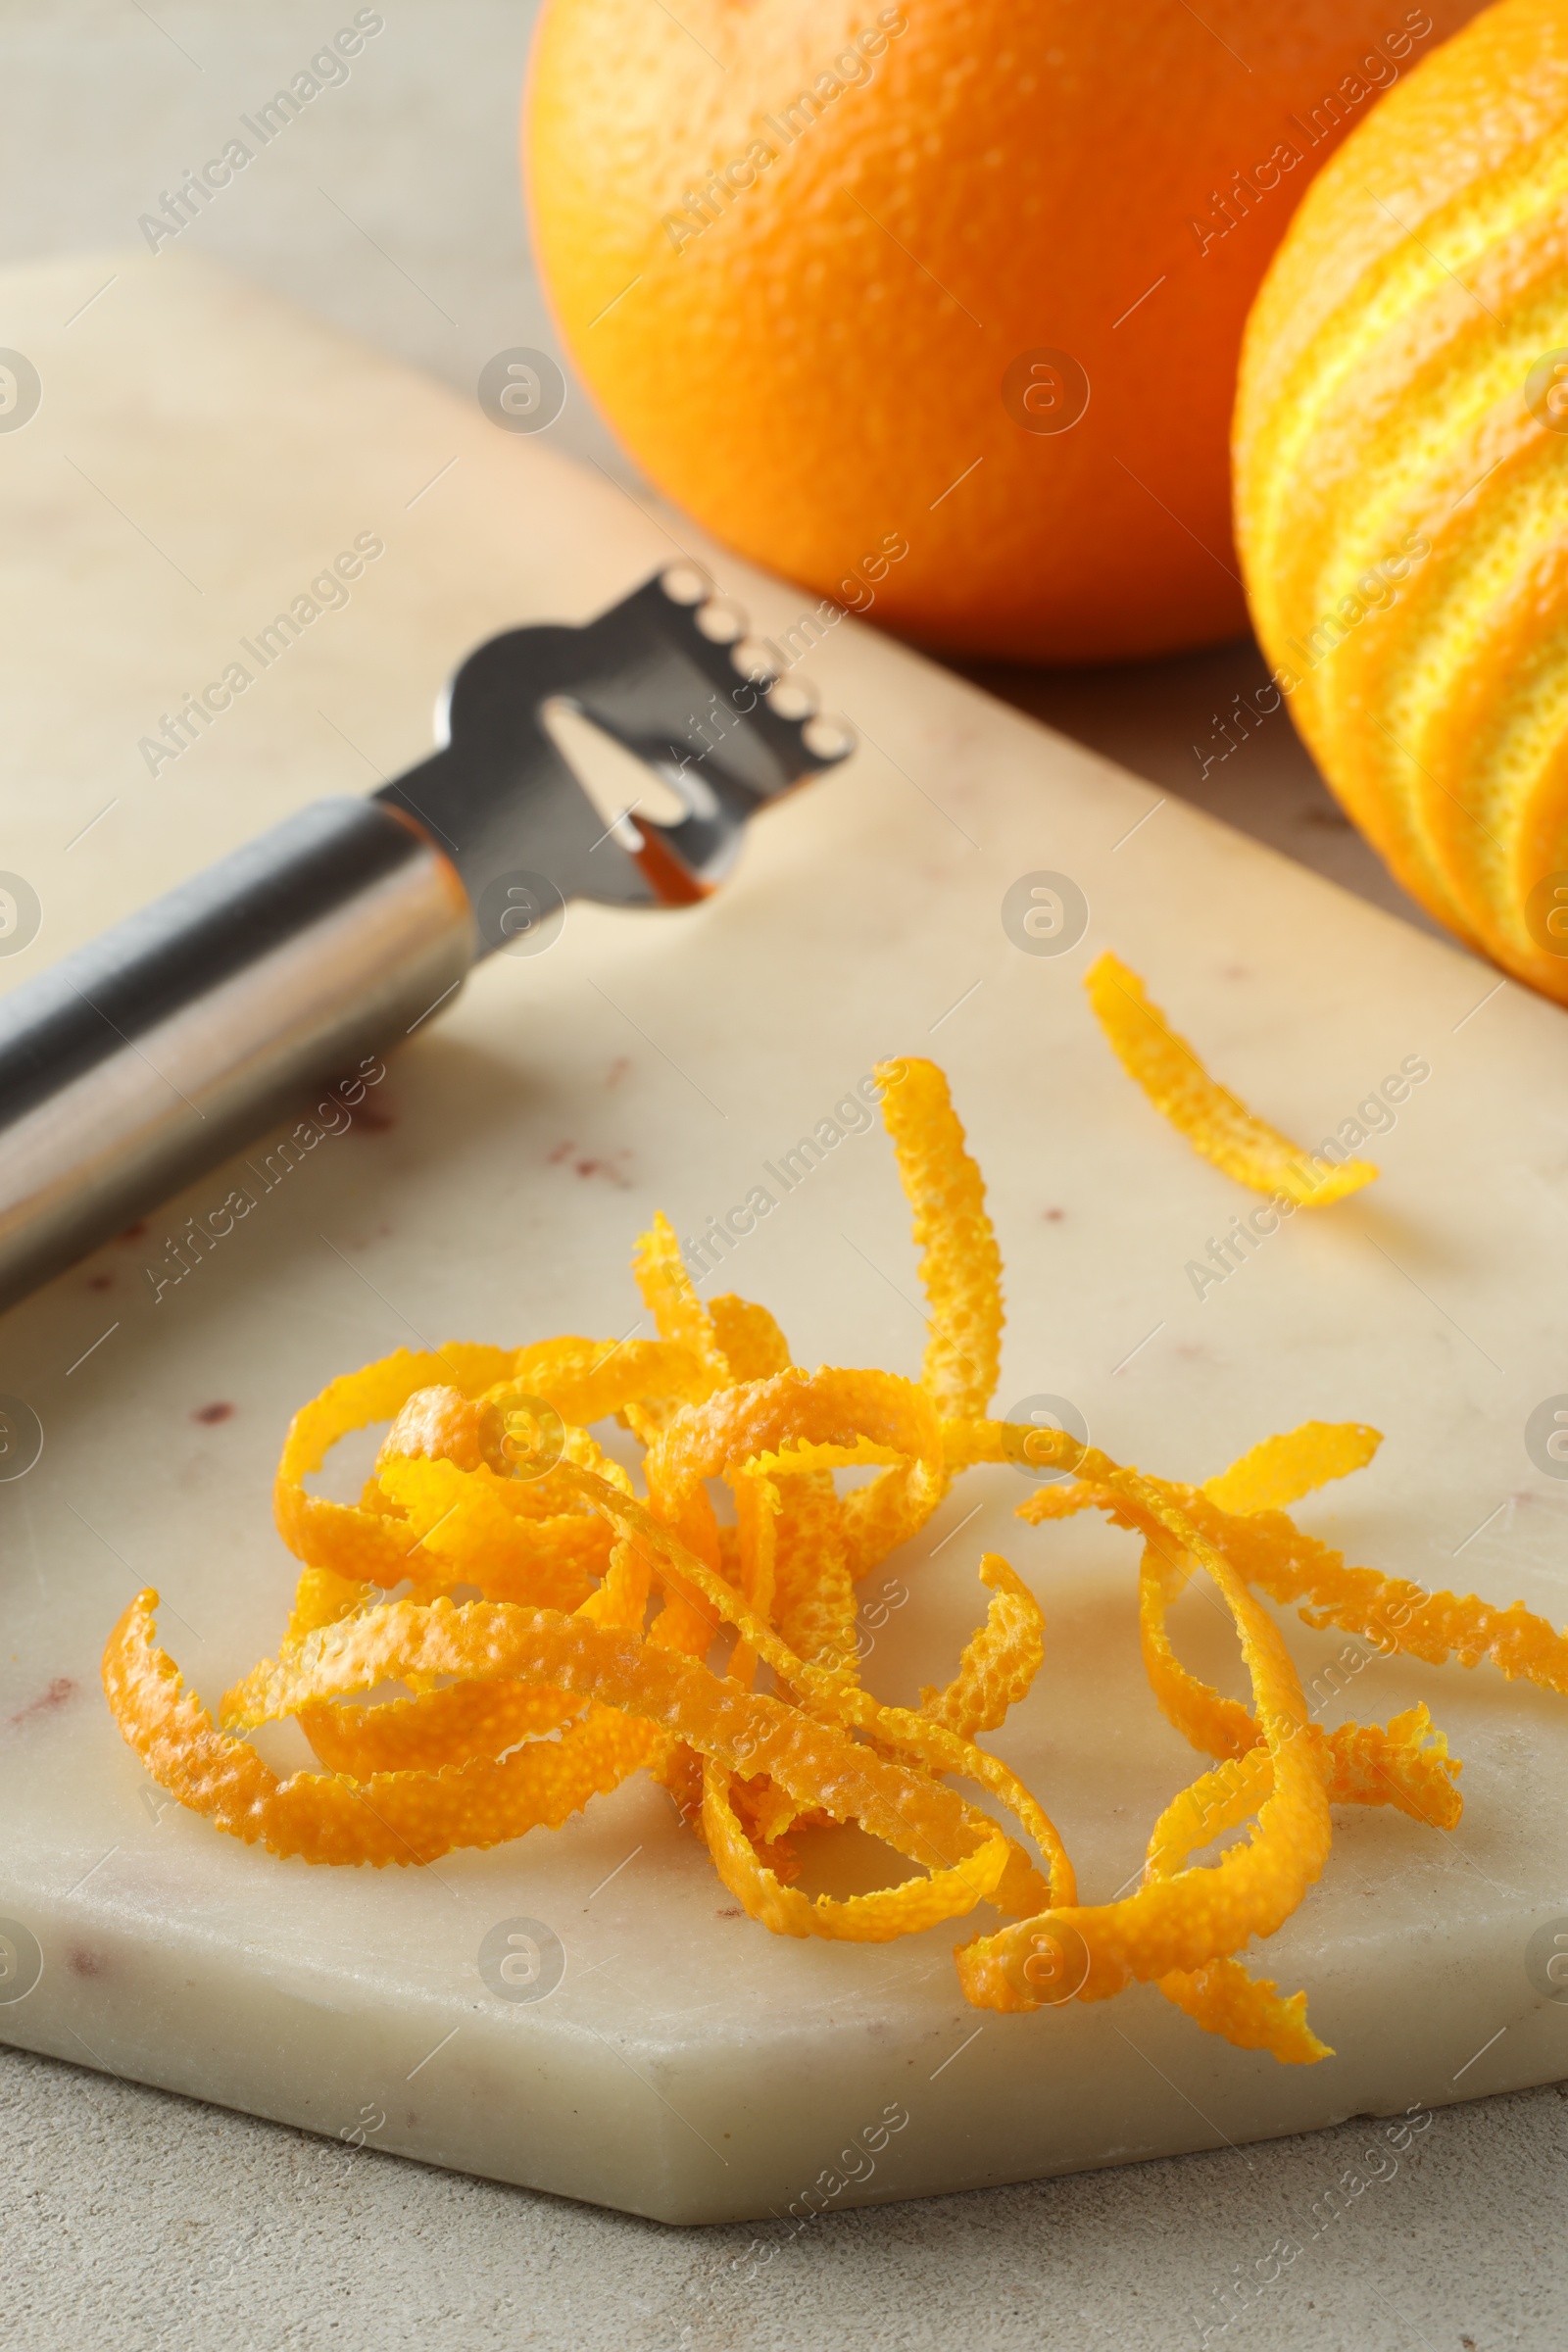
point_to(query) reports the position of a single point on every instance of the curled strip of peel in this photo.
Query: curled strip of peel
(1214, 1121)
(1188, 1917)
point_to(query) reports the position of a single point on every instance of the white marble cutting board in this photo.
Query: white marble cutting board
(199, 454)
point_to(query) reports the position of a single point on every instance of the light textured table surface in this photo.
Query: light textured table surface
(135, 2219)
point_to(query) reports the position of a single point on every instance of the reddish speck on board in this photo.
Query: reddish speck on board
(59, 1690)
(606, 1165)
(606, 1168)
(210, 1413)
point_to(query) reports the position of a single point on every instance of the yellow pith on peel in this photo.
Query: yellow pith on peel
(612, 1632)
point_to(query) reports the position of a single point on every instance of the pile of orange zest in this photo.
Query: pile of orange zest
(1219, 1126)
(613, 1633)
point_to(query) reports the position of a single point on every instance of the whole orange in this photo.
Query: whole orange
(936, 307)
(1402, 455)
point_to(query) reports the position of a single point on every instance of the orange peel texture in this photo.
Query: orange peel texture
(1219, 1127)
(500, 1629)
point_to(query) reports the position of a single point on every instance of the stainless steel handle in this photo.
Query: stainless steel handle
(148, 1056)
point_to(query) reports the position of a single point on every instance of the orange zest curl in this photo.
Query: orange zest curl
(1213, 1120)
(612, 1635)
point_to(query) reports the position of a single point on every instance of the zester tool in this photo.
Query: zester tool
(149, 1055)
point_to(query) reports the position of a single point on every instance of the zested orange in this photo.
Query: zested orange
(935, 306)
(1402, 470)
